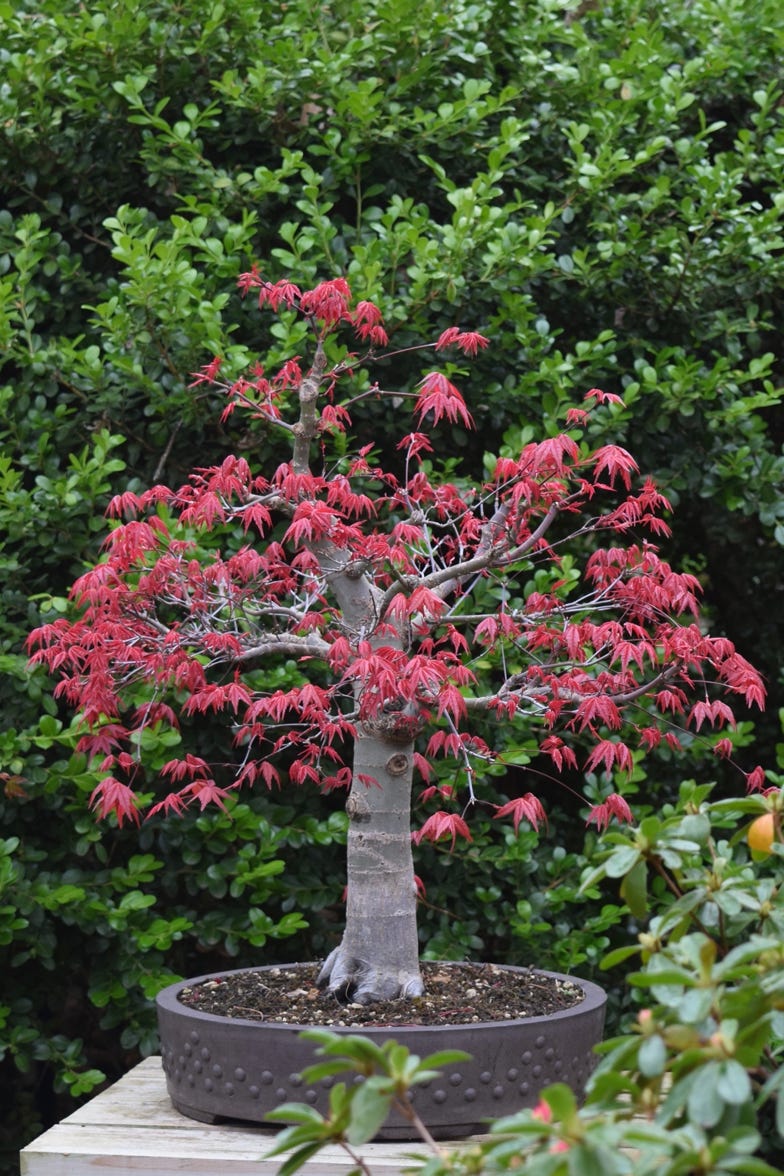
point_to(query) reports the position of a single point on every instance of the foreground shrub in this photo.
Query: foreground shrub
(693, 1084)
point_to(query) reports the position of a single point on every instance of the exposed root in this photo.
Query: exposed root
(356, 981)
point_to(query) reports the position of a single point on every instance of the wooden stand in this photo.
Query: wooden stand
(132, 1128)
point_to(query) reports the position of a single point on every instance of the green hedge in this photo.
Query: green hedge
(597, 187)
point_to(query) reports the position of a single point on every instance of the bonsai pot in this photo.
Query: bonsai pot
(220, 1069)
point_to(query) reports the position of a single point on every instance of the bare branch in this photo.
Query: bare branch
(510, 688)
(289, 644)
(306, 428)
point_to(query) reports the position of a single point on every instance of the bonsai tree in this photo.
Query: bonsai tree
(413, 606)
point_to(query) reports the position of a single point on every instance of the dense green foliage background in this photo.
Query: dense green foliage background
(596, 187)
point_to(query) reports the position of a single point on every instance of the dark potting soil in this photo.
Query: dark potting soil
(454, 993)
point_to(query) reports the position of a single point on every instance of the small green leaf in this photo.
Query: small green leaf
(445, 1057)
(560, 1098)
(705, 1104)
(621, 861)
(652, 1057)
(619, 956)
(321, 1070)
(299, 1158)
(733, 1084)
(360, 1053)
(634, 889)
(695, 1005)
(673, 976)
(751, 1166)
(296, 1112)
(369, 1110)
(586, 1161)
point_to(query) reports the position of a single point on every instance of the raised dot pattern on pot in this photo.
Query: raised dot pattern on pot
(536, 1067)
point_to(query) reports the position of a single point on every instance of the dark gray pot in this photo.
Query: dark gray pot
(220, 1068)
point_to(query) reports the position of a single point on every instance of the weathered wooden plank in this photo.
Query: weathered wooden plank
(131, 1129)
(70, 1151)
(138, 1098)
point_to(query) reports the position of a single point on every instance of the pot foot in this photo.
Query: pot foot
(197, 1113)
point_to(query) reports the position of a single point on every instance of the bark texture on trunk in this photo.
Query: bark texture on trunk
(378, 958)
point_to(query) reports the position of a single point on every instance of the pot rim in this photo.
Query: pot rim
(594, 998)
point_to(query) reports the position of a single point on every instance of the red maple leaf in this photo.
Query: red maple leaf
(523, 808)
(602, 397)
(613, 807)
(205, 792)
(329, 301)
(172, 803)
(597, 708)
(717, 713)
(439, 395)
(112, 796)
(611, 754)
(755, 780)
(445, 791)
(617, 462)
(469, 342)
(559, 753)
(442, 825)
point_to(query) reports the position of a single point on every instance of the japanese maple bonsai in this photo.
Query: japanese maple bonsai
(405, 600)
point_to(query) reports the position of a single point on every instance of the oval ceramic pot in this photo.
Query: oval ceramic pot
(220, 1069)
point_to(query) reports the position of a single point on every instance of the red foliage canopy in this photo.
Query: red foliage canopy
(403, 598)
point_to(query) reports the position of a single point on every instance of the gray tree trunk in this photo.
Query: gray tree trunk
(378, 958)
